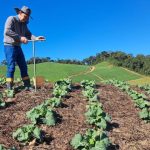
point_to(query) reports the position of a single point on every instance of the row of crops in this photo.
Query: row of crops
(41, 114)
(140, 100)
(96, 137)
(3, 105)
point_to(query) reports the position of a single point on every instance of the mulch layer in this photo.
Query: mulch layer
(126, 131)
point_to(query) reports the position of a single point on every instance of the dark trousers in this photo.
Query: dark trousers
(14, 54)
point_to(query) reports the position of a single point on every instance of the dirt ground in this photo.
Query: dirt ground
(129, 132)
(126, 131)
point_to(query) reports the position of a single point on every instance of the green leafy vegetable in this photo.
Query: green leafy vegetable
(41, 114)
(27, 133)
(92, 140)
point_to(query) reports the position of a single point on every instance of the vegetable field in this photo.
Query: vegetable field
(83, 116)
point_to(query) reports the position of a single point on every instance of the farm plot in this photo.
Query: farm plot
(129, 131)
(126, 131)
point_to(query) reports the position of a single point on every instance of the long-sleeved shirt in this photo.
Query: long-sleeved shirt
(13, 31)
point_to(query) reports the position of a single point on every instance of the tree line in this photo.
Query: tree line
(48, 59)
(139, 63)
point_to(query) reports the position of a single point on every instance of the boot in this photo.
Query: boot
(9, 92)
(27, 85)
(9, 85)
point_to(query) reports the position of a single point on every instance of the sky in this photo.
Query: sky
(77, 29)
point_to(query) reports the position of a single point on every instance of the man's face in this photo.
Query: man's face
(23, 17)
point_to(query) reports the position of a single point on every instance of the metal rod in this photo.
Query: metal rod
(34, 61)
(33, 42)
(36, 40)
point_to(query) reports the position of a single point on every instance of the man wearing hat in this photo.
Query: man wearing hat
(16, 32)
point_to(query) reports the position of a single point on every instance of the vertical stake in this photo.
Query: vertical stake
(33, 42)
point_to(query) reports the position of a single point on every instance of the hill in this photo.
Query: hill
(51, 71)
(100, 72)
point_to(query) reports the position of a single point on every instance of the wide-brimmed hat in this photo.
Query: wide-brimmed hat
(24, 9)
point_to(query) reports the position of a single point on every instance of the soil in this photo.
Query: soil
(126, 131)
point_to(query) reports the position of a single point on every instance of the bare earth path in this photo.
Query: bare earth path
(91, 69)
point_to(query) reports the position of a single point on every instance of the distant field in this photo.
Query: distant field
(108, 71)
(104, 71)
(51, 71)
(88, 76)
(100, 72)
(141, 81)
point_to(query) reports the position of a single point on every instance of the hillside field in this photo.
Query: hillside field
(100, 72)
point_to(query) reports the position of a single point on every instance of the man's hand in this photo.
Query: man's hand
(40, 38)
(24, 40)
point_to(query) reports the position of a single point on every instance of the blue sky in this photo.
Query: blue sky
(77, 29)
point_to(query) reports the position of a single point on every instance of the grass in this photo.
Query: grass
(85, 76)
(50, 71)
(102, 71)
(142, 81)
(107, 71)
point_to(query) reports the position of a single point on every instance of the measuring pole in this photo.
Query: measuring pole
(33, 45)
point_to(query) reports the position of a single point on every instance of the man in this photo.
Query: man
(16, 32)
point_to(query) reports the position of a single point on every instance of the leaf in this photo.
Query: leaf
(2, 147)
(49, 118)
(108, 118)
(53, 102)
(10, 93)
(106, 141)
(94, 98)
(91, 141)
(100, 145)
(2, 104)
(144, 113)
(76, 141)
(103, 123)
(41, 113)
(37, 133)
(27, 133)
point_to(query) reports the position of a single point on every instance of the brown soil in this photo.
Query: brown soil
(127, 131)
